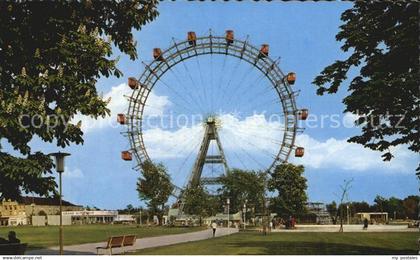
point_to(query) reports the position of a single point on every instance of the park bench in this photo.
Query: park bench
(118, 241)
(13, 249)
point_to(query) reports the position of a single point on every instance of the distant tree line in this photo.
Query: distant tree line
(248, 192)
(395, 207)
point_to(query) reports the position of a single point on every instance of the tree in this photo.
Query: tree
(332, 210)
(51, 55)
(154, 186)
(380, 203)
(289, 182)
(199, 202)
(411, 207)
(344, 196)
(395, 207)
(129, 208)
(242, 186)
(360, 206)
(382, 38)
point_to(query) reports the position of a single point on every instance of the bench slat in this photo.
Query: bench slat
(129, 240)
(118, 241)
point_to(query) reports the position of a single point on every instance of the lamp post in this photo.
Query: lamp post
(348, 215)
(228, 204)
(59, 166)
(244, 213)
(33, 212)
(140, 216)
(267, 215)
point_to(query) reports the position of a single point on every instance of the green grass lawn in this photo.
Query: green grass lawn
(39, 237)
(254, 243)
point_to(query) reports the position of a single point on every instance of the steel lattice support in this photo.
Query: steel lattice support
(202, 158)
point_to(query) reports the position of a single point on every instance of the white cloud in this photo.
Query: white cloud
(341, 154)
(75, 173)
(161, 144)
(119, 104)
(251, 133)
(255, 135)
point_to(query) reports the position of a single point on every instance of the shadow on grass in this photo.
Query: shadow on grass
(314, 248)
(48, 251)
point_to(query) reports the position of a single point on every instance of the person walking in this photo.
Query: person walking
(365, 223)
(214, 226)
(292, 222)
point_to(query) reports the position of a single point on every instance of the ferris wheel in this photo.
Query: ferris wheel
(216, 77)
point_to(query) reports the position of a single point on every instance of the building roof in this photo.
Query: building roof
(373, 213)
(222, 216)
(27, 200)
(92, 213)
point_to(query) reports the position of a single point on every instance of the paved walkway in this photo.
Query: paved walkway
(141, 243)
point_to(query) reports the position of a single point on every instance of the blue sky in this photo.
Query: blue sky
(303, 35)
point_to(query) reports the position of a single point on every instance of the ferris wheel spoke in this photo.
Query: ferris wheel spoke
(225, 89)
(259, 136)
(245, 152)
(177, 94)
(265, 90)
(151, 107)
(240, 86)
(194, 85)
(268, 153)
(262, 137)
(236, 155)
(202, 82)
(222, 89)
(211, 83)
(245, 87)
(210, 80)
(194, 100)
(176, 145)
(264, 103)
(181, 168)
(276, 128)
(222, 74)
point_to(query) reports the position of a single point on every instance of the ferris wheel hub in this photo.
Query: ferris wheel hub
(213, 120)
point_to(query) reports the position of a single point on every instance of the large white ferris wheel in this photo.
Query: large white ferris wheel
(218, 77)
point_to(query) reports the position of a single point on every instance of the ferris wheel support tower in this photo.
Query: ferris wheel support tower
(203, 157)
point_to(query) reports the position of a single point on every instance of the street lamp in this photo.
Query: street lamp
(348, 215)
(141, 211)
(267, 222)
(244, 213)
(59, 167)
(228, 204)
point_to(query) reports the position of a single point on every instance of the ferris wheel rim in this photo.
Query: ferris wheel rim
(207, 45)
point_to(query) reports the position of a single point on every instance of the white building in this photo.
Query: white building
(92, 216)
(125, 219)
